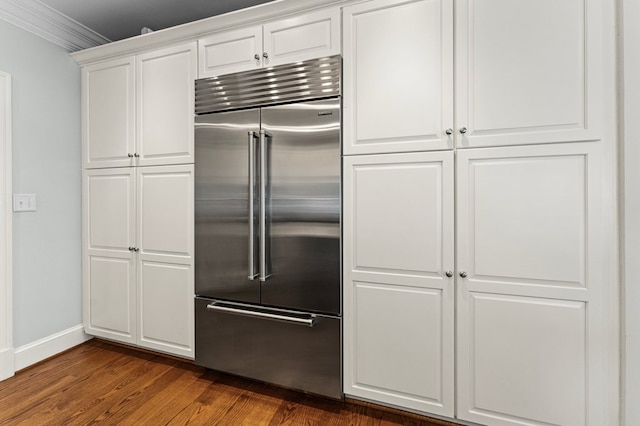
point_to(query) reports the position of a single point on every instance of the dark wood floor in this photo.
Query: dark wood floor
(100, 382)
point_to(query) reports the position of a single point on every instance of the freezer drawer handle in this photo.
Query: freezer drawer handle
(309, 322)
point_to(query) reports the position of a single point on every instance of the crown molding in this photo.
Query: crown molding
(51, 25)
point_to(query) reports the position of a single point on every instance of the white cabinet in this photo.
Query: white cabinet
(109, 230)
(398, 76)
(108, 119)
(527, 278)
(230, 51)
(138, 260)
(165, 102)
(139, 110)
(138, 221)
(529, 307)
(398, 265)
(528, 282)
(298, 38)
(525, 72)
(165, 258)
(302, 37)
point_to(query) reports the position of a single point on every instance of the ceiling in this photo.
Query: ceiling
(119, 19)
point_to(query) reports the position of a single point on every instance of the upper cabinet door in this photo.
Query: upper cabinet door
(165, 102)
(398, 76)
(108, 120)
(230, 51)
(302, 37)
(526, 72)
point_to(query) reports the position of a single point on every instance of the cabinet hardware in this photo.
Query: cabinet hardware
(449, 274)
(463, 274)
(449, 131)
(256, 57)
(265, 55)
(135, 154)
(136, 249)
(130, 155)
(130, 248)
(463, 130)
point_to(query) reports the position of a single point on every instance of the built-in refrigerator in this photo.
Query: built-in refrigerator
(267, 231)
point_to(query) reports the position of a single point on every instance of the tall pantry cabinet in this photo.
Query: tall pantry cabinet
(138, 199)
(473, 208)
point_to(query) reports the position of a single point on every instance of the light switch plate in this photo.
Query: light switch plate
(24, 202)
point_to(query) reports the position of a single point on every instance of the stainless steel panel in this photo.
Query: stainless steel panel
(222, 216)
(304, 206)
(316, 78)
(273, 351)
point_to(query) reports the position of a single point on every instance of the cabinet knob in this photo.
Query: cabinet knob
(463, 130)
(136, 249)
(265, 55)
(130, 248)
(256, 57)
(449, 131)
(135, 154)
(449, 274)
(463, 274)
(130, 155)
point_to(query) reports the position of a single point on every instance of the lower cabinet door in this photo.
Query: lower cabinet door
(398, 289)
(108, 264)
(530, 291)
(165, 259)
(165, 310)
(109, 294)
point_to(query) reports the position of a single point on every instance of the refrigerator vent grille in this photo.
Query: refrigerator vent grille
(313, 79)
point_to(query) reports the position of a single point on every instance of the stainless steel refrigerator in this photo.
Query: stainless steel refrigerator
(268, 210)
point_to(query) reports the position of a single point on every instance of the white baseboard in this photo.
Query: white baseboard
(49, 346)
(6, 363)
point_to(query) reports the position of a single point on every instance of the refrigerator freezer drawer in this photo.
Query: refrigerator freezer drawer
(298, 351)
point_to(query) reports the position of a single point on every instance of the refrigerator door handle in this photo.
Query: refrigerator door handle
(252, 222)
(310, 321)
(265, 273)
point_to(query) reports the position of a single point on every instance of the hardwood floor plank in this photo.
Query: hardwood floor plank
(98, 382)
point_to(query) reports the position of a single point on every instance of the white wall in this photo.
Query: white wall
(46, 162)
(630, 198)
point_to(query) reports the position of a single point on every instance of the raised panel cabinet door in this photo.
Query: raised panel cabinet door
(166, 308)
(165, 102)
(398, 289)
(398, 76)
(230, 51)
(108, 118)
(109, 291)
(530, 288)
(308, 36)
(165, 260)
(527, 72)
(165, 213)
